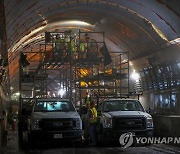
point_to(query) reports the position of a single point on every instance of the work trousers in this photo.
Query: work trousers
(93, 133)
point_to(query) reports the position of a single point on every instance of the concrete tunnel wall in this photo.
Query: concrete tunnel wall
(161, 101)
(164, 125)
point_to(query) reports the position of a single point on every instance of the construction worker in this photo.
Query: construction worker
(59, 47)
(81, 51)
(87, 99)
(71, 46)
(24, 63)
(86, 117)
(92, 119)
(82, 47)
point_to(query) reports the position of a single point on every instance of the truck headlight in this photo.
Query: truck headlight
(108, 122)
(78, 123)
(150, 122)
(35, 124)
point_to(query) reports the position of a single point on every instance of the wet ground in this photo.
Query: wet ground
(12, 147)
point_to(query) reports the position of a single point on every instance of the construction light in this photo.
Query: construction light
(61, 92)
(135, 76)
(130, 63)
(175, 41)
(17, 94)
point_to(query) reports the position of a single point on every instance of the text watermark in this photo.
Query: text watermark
(127, 139)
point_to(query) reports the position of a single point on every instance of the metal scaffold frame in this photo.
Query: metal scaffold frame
(100, 68)
(74, 64)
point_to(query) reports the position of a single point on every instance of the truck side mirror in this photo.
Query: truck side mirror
(147, 111)
(150, 111)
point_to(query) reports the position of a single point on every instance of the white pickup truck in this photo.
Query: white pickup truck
(118, 116)
(55, 119)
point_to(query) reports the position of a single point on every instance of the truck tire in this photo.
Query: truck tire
(103, 140)
(77, 143)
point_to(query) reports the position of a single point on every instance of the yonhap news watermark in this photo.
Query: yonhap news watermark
(157, 140)
(127, 139)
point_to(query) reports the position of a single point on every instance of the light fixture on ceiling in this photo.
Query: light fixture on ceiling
(175, 41)
(159, 32)
(70, 23)
(75, 22)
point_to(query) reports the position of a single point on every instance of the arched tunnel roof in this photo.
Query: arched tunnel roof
(138, 26)
(134, 25)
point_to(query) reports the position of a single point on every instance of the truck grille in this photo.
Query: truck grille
(57, 124)
(129, 123)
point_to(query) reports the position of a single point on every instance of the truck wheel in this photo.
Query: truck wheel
(77, 143)
(103, 140)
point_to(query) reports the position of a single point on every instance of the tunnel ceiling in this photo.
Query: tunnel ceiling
(137, 26)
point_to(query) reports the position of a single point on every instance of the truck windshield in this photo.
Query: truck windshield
(123, 105)
(53, 106)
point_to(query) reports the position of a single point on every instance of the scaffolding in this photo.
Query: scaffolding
(70, 65)
(99, 72)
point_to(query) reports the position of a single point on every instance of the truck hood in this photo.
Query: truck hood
(48, 115)
(127, 114)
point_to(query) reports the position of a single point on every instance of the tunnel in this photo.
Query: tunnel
(130, 51)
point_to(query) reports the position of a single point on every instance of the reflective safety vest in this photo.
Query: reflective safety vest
(82, 47)
(73, 46)
(93, 119)
(59, 43)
